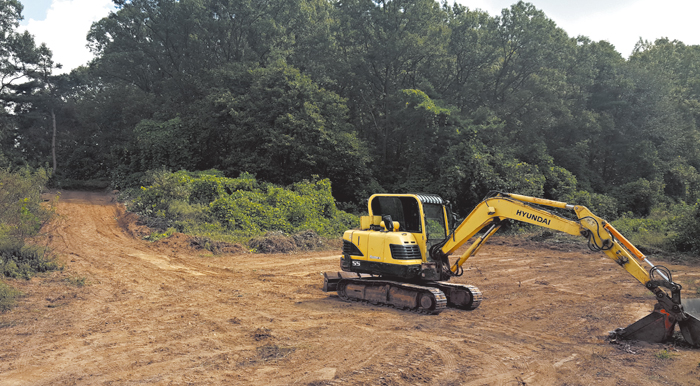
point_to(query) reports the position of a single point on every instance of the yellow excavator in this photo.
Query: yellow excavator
(400, 257)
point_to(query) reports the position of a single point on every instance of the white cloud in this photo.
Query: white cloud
(66, 27)
(647, 19)
(620, 22)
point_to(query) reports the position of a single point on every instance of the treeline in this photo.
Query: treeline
(395, 95)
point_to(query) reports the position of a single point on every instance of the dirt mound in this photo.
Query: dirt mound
(181, 241)
(273, 242)
(278, 242)
(131, 223)
(217, 247)
(176, 241)
(308, 241)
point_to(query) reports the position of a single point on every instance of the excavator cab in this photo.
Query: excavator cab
(422, 215)
(395, 237)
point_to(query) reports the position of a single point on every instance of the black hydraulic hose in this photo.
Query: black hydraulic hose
(591, 240)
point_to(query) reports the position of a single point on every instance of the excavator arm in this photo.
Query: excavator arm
(491, 212)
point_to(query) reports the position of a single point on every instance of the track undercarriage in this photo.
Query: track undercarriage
(427, 297)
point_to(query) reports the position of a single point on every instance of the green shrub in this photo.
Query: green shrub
(22, 214)
(164, 187)
(651, 231)
(206, 189)
(212, 206)
(26, 261)
(248, 211)
(183, 211)
(21, 211)
(7, 296)
(686, 237)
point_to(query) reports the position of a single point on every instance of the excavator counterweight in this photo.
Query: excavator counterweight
(400, 257)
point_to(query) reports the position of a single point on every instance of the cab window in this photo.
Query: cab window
(402, 209)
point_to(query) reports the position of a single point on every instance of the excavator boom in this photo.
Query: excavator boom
(602, 236)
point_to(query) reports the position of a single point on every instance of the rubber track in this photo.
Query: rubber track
(438, 296)
(476, 293)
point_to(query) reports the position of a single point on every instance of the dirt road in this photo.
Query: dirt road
(161, 313)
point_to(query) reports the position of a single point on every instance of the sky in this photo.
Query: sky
(63, 24)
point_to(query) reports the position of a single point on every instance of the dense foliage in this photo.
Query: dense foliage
(210, 205)
(372, 95)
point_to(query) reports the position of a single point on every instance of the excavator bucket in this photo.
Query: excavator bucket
(656, 327)
(690, 328)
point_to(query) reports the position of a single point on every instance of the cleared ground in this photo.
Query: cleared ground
(163, 313)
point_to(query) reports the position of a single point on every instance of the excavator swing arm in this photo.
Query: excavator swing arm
(602, 236)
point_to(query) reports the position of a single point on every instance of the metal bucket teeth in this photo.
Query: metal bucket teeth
(656, 327)
(690, 328)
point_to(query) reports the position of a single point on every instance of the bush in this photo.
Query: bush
(22, 214)
(21, 211)
(164, 187)
(7, 296)
(687, 229)
(206, 189)
(207, 204)
(26, 261)
(651, 231)
(247, 211)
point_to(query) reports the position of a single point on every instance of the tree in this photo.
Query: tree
(383, 48)
(279, 125)
(24, 72)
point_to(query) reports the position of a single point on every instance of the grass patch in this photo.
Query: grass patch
(155, 236)
(78, 281)
(665, 354)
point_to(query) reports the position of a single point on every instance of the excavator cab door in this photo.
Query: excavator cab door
(435, 226)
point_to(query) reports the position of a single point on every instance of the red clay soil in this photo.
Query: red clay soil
(167, 314)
